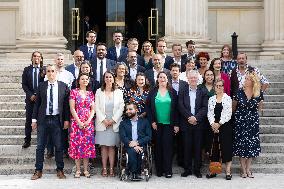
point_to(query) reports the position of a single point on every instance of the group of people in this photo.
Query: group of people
(181, 104)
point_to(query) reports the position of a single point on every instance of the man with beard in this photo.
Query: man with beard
(101, 64)
(135, 134)
(114, 52)
(89, 49)
(134, 68)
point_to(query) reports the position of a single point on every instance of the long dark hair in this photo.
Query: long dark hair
(88, 87)
(204, 81)
(169, 86)
(146, 86)
(41, 69)
(103, 87)
(211, 67)
(89, 64)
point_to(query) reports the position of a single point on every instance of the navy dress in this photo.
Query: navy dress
(246, 130)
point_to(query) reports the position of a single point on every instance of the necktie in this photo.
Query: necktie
(101, 72)
(51, 100)
(35, 78)
(90, 53)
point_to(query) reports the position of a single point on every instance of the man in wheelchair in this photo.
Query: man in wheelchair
(135, 134)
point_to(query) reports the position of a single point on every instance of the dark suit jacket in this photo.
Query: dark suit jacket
(111, 52)
(140, 59)
(71, 68)
(201, 106)
(168, 61)
(27, 82)
(139, 69)
(85, 50)
(143, 131)
(182, 85)
(39, 111)
(182, 66)
(110, 64)
(150, 76)
(151, 108)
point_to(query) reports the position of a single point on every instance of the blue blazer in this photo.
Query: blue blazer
(85, 50)
(201, 107)
(140, 59)
(168, 61)
(144, 131)
(171, 61)
(110, 64)
(71, 68)
(111, 53)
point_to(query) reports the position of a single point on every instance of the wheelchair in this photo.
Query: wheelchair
(146, 164)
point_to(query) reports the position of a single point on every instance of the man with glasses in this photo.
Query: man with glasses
(89, 50)
(78, 59)
(132, 45)
(50, 114)
(134, 68)
(114, 52)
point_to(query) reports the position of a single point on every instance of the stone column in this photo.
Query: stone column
(41, 26)
(273, 45)
(187, 19)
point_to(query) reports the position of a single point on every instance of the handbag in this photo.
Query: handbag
(215, 167)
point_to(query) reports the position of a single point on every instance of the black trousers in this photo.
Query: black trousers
(163, 149)
(28, 128)
(178, 148)
(134, 160)
(192, 138)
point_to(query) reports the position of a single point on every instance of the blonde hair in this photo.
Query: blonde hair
(256, 83)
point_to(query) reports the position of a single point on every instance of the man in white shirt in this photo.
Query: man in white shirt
(78, 59)
(114, 52)
(134, 68)
(89, 49)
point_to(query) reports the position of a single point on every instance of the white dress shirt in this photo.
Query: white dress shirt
(133, 72)
(76, 71)
(99, 68)
(92, 47)
(55, 98)
(155, 74)
(117, 48)
(64, 76)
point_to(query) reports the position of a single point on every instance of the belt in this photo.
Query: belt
(52, 116)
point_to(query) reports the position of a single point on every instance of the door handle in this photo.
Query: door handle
(75, 23)
(153, 24)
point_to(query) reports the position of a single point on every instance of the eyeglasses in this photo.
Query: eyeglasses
(219, 86)
(50, 71)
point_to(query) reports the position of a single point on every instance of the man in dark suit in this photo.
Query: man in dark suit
(114, 52)
(132, 45)
(50, 113)
(135, 134)
(193, 104)
(161, 48)
(78, 59)
(89, 50)
(133, 67)
(32, 76)
(191, 54)
(177, 85)
(151, 74)
(101, 64)
(177, 49)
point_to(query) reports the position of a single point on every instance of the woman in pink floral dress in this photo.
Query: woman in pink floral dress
(82, 140)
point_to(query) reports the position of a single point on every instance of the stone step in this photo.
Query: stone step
(274, 98)
(12, 121)
(10, 79)
(12, 98)
(10, 85)
(272, 138)
(12, 106)
(271, 120)
(269, 129)
(273, 105)
(272, 112)
(15, 139)
(12, 113)
(277, 84)
(12, 130)
(18, 91)
(274, 91)
(272, 147)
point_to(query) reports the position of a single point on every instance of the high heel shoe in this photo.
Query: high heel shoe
(77, 174)
(87, 174)
(111, 172)
(243, 175)
(104, 172)
(249, 174)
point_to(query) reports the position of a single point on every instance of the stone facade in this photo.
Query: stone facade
(38, 24)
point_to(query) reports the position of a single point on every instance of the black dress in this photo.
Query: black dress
(225, 137)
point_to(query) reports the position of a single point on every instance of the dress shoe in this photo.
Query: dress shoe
(198, 175)
(228, 177)
(136, 177)
(159, 174)
(26, 145)
(211, 176)
(169, 175)
(60, 174)
(186, 173)
(36, 175)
